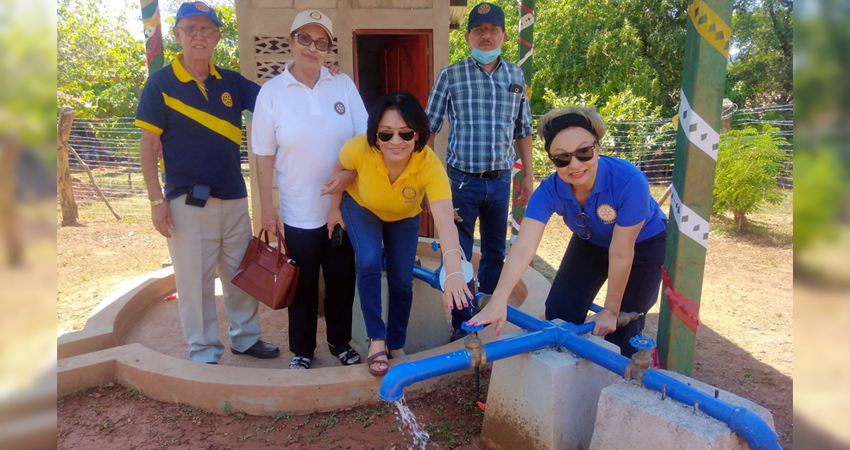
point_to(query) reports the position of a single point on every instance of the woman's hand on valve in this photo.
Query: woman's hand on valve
(455, 291)
(495, 312)
(606, 322)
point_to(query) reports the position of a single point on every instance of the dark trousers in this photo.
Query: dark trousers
(311, 250)
(487, 201)
(583, 271)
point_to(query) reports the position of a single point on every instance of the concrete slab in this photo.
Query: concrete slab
(544, 400)
(630, 417)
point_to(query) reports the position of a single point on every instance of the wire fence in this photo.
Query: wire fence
(110, 147)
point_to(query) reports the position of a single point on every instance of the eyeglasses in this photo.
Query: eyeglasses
(192, 31)
(386, 136)
(478, 31)
(581, 222)
(583, 154)
(305, 40)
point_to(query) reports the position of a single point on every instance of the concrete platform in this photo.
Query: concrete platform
(630, 417)
(134, 337)
(544, 400)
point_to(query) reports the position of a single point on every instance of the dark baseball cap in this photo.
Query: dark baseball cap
(191, 9)
(486, 13)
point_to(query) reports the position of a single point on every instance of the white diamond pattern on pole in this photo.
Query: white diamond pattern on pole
(690, 223)
(699, 132)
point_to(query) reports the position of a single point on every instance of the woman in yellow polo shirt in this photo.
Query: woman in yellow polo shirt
(395, 169)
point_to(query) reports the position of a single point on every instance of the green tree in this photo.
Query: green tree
(762, 71)
(101, 68)
(748, 163)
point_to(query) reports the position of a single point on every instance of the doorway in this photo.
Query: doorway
(391, 60)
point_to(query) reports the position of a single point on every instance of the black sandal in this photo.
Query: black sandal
(299, 363)
(347, 355)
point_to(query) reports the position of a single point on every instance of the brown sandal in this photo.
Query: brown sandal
(371, 360)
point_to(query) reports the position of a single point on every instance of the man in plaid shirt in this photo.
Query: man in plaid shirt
(488, 109)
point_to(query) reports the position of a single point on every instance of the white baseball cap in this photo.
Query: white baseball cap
(310, 16)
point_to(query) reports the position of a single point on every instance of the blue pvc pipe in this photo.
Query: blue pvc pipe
(428, 276)
(406, 374)
(742, 421)
(745, 423)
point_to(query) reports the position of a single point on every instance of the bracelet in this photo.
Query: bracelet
(157, 202)
(453, 273)
(452, 250)
(616, 314)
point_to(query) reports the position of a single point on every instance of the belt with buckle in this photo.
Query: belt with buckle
(488, 175)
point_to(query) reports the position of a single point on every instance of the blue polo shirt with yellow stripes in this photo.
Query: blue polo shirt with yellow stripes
(200, 126)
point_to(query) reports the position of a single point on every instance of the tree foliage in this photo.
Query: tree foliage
(748, 163)
(101, 68)
(762, 71)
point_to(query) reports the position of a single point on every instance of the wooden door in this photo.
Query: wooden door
(404, 66)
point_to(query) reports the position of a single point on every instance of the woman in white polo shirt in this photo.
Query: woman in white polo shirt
(302, 118)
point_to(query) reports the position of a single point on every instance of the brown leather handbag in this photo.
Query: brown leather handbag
(268, 274)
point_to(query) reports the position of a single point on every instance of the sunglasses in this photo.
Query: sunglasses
(305, 40)
(583, 230)
(386, 136)
(583, 154)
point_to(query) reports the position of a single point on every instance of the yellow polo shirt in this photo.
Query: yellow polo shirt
(400, 200)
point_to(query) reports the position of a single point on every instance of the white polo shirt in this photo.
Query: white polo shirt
(305, 129)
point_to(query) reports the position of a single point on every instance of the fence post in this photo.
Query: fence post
(63, 171)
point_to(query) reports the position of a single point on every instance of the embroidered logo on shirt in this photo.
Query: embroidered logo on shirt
(316, 15)
(606, 213)
(483, 9)
(201, 6)
(339, 108)
(226, 99)
(408, 193)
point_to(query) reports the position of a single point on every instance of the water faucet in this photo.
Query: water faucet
(474, 345)
(642, 360)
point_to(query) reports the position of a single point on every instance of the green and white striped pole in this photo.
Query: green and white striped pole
(525, 39)
(706, 54)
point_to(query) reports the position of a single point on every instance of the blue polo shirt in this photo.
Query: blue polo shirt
(200, 125)
(620, 196)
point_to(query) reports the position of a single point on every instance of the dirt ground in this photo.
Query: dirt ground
(745, 346)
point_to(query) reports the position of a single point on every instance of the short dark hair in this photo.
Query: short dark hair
(411, 112)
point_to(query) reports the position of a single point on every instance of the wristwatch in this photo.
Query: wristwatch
(157, 202)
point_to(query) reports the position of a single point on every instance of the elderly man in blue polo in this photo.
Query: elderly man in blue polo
(488, 110)
(193, 109)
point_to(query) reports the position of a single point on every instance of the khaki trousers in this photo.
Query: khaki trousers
(203, 239)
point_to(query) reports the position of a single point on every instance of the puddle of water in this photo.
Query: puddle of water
(409, 422)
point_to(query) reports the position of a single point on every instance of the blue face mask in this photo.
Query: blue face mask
(485, 57)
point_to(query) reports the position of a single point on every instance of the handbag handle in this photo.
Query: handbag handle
(264, 235)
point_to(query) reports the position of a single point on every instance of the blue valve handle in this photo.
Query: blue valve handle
(435, 246)
(642, 343)
(471, 328)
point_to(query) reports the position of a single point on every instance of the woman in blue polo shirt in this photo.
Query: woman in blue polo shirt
(619, 232)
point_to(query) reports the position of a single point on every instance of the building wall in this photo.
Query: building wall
(264, 26)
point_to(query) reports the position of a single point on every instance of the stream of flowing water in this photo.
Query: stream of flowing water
(409, 422)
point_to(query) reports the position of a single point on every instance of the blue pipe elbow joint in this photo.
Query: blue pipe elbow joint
(754, 430)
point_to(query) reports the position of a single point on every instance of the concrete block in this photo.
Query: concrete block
(631, 417)
(544, 400)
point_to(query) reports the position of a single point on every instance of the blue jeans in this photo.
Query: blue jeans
(400, 240)
(489, 202)
(583, 271)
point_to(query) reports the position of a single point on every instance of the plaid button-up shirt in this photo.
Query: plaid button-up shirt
(484, 115)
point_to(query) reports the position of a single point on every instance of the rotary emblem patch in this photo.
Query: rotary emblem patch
(408, 193)
(339, 107)
(606, 213)
(201, 6)
(484, 9)
(316, 15)
(226, 99)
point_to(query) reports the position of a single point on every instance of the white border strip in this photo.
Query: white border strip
(689, 222)
(699, 132)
